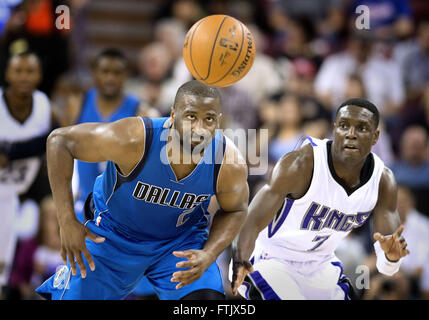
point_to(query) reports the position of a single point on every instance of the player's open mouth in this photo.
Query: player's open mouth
(350, 147)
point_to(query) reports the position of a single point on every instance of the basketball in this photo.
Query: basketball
(218, 50)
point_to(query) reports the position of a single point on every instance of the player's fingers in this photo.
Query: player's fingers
(399, 231)
(186, 264)
(64, 255)
(88, 258)
(185, 274)
(80, 263)
(72, 262)
(237, 283)
(188, 280)
(190, 254)
(93, 237)
(378, 237)
(238, 278)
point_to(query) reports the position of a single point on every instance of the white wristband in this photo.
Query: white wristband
(385, 266)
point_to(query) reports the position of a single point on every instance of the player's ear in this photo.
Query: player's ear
(376, 135)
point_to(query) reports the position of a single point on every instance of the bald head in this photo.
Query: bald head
(197, 89)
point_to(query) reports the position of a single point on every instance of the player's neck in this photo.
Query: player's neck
(107, 105)
(19, 106)
(181, 161)
(348, 171)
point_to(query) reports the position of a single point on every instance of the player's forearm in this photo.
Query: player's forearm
(60, 171)
(244, 245)
(225, 227)
(262, 209)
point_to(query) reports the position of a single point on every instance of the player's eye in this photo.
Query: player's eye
(209, 119)
(342, 125)
(190, 117)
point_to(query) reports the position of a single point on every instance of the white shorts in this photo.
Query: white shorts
(8, 212)
(275, 279)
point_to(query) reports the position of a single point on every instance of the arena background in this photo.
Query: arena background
(311, 55)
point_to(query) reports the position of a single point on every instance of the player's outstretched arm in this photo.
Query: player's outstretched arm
(121, 142)
(233, 197)
(390, 246)
(291, 176)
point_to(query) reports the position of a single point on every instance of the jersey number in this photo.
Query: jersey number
(13, 173)
(181, 219)
(320, 240)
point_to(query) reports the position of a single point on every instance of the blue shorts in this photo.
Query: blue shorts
(120, 264)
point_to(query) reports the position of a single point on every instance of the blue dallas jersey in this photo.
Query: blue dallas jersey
(144, 217)
(150, 203)
(88, 172)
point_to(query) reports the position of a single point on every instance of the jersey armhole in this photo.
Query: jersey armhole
(315, 167)
(148, 126)
(220, 153)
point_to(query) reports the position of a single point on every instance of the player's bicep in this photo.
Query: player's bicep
(233, 191)
(290, 177)
(96, 142)
(386, 217)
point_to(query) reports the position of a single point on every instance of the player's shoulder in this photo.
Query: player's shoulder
(300, 160)
(41, 99)
(233, 166)
(129, 130)
(233, 159)
(387, 180)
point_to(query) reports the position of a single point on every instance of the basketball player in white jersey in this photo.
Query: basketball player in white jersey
(315, 196)
(24, 114)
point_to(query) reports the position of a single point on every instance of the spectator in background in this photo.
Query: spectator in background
(238, 109)
(315, 116)
(171, 33)
(289, 130)
(24, 113)
(186, 12)
(416, 80)
(321, 21)
(381, 77)
(416, 64)
(263, 79)
(416, 231)
(154, 84)
(412, 170)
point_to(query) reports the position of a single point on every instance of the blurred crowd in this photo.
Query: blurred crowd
(311, 56)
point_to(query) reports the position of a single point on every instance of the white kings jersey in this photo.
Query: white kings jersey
(18, 175)
(310, 228)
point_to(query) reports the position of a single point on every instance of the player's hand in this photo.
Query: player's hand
(240, 269)
(394, 246)
(198, 262)
(73, 245)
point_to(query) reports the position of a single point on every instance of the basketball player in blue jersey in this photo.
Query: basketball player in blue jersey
(315, 196)
(147, 215)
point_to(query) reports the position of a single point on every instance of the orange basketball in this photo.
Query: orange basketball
(218, 50)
